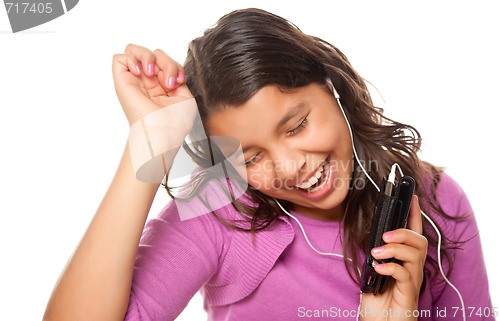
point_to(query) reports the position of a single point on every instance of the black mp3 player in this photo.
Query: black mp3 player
(391, 212)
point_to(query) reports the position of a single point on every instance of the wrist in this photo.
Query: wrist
(155, 139)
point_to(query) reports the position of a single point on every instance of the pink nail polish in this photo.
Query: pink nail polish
(180, 76)
(171, 82)
(389, 235)
(380, 266)
(138, 68)
(377, 250)
(151, 69)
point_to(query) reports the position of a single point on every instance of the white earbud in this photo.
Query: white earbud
(337, 96)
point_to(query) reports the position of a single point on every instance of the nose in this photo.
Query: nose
(288, 164)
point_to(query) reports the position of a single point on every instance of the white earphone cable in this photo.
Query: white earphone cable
(304, 232)
(439, 263)
(337, 96)
(319, 252)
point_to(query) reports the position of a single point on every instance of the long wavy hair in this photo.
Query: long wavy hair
(249, 49)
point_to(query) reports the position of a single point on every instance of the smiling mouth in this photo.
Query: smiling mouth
(318, 180)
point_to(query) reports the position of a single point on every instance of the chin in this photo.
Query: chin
(335, 199)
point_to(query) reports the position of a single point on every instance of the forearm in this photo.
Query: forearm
(96, 282)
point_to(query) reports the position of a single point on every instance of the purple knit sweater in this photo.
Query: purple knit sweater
(280, 277)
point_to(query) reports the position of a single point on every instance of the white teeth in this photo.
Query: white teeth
(314, 179)
(317, 188)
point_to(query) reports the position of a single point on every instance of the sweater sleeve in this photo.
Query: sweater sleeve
(469, 271)
(174, 259)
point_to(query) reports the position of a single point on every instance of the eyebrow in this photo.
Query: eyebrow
(291, 114)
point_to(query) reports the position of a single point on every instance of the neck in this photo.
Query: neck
(334, 214)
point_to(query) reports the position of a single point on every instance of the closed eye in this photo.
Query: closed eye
(297, 129)
(252, 160)
(294, 131)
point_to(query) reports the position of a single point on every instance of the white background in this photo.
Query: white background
(62, 131)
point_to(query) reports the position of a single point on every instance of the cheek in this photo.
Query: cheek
(260, 177)
(265, 180)
(338, 134)
(330, 135)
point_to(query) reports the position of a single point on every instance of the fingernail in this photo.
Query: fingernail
(180, 76)
(151, 69)
(379, 266)
(171, 82)
(377, 250)
(389, 235)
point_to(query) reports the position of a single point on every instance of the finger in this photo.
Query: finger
(180, 75)
(167, 82)
(182, 90)
(412, 259)
(145, 56)
(173, 73)
(120, 63)
(400, 274)
(161, 79)
(406, 236)
(401, 252)
(415, 217)
(179, 90)
(133, 65)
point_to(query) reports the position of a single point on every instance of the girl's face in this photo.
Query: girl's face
(296, 147)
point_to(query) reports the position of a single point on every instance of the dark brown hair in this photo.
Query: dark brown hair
(249, 49)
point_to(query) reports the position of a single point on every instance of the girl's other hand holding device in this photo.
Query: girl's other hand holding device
(410, 247)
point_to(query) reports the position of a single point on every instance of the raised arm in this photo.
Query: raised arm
(95, 284)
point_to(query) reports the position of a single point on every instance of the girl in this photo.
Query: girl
(282, 94)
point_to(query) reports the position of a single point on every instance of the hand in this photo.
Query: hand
(410, 247)
(146, 81)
